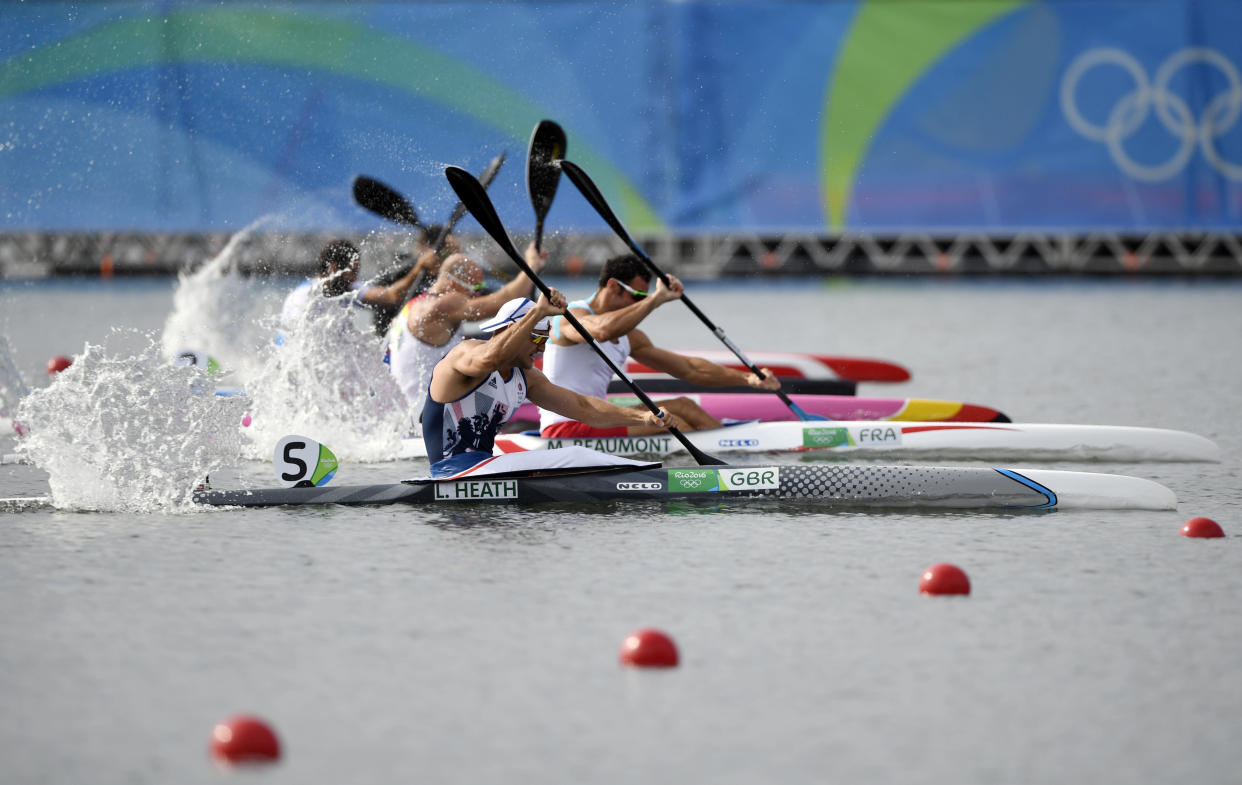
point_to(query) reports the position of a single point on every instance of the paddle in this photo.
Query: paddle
(387, 202)
(384, 201)
(593, 195)
(485, 179)
(472, 194)
(547, 146)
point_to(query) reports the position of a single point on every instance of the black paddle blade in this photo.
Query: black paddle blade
(548, 145)
(384, 201)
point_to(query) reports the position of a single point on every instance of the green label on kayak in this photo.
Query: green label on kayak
(750, 479)
(326, 467)
(624, 400)
(692, 480)
(825, 437)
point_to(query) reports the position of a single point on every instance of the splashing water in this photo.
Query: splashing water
(129, 433)
(12, 385)
(218, 312)
(12, 389)
(328, 381)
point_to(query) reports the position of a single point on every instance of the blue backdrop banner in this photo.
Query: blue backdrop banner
(953, 115)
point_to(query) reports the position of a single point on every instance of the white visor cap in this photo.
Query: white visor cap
(511, 312)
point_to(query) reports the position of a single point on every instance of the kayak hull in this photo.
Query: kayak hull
(830, 486)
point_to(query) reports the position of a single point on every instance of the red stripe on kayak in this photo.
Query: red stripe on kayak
(971, 412)
(922, 428)
(507, 446)
(861, 369)
(474, 468)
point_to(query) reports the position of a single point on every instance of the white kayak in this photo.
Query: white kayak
(1038, 441)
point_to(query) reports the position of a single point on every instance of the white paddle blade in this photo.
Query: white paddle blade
(301, 462)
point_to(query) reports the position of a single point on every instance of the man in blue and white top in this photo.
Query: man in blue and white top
(479, 385)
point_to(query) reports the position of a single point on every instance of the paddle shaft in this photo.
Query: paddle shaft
(485, 179)
(593, 195)
(472, 194)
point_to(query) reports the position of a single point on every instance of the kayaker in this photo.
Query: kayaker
(430, 324)
(624, 298)
(479, 384)
(426, 268)
(337, 281)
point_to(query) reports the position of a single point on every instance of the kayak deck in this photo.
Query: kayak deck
(991, 441)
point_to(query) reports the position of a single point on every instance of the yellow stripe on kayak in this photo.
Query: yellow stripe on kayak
(924, 410)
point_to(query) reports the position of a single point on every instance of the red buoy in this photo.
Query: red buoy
(244, 739)
(944, 579)
(1202, 527)
(58, 364)
(648, 648)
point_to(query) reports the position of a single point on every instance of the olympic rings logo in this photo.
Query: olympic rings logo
(1131, 112)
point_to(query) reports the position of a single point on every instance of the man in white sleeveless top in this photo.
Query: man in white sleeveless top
(612, 316)
(479, 385)
(430, 324)
(337, 282)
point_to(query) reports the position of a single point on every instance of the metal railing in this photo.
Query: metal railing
(37, 255)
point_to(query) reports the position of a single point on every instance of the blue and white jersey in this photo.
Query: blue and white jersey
(469, 424)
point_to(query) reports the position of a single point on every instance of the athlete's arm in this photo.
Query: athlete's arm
(695, 369)
(614, 324)
(592, 411)
(394, 293)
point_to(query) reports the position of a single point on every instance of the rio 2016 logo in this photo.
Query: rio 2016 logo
(1174, 113)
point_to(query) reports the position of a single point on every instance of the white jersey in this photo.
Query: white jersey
(470, 423)
(410, 360)
(299, 300)
(578, 367)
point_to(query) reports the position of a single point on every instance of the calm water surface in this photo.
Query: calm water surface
(479, 645)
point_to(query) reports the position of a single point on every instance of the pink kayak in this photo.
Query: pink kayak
(798, 365)
(766, 406)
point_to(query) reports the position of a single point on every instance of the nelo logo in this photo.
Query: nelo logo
(639, 486)
(737, 443)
